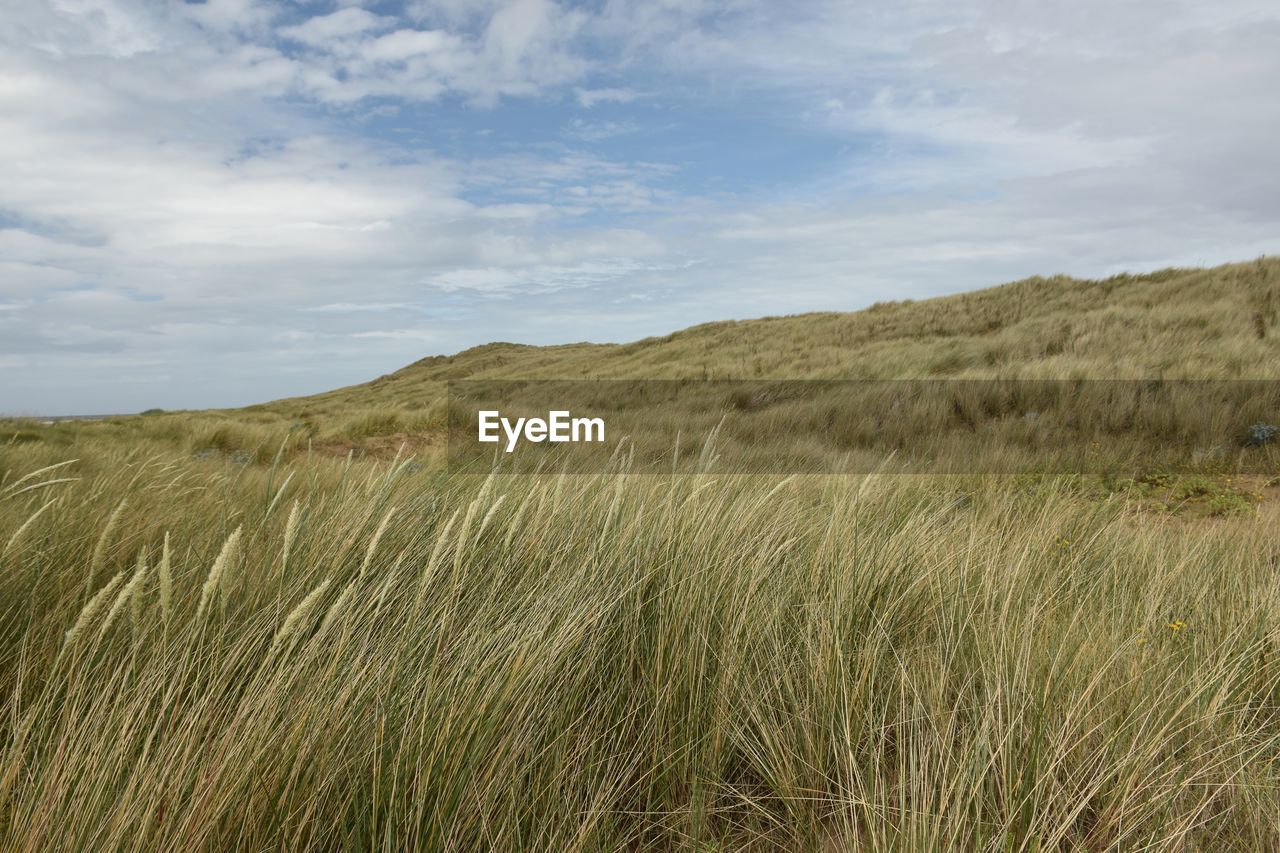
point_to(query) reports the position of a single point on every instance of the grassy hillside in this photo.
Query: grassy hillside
(263, 630)
(1214, 323)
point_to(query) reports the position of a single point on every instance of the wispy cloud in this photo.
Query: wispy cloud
(588, 98)
(399, 334)
(355, 307)
(596, 131)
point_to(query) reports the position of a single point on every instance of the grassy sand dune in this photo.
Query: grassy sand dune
(1219, 323)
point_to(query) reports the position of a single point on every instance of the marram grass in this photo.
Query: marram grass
(399, 660)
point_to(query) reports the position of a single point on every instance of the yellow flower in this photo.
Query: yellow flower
(1177, 625)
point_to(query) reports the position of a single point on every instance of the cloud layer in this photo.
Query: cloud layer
(219, 203)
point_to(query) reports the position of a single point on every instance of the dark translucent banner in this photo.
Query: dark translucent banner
(859, 426)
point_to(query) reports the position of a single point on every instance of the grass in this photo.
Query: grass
(363, 656)
(319, 644)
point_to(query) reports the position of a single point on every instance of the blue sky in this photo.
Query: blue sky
(218, 203)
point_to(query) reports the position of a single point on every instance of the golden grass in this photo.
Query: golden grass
(617, 662)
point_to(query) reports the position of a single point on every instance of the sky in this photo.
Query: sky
(227, 202)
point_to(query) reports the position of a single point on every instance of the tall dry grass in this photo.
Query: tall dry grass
(332, 654)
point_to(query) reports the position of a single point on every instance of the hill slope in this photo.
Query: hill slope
(1178, 323)
(1222, 322)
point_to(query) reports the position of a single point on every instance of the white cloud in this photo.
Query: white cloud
(245, 16)
(350, 307)
(521, 278)
(329, 32)
(399, 335)
(596, 131)
(588, 98)
(163, 208)
(402, 45)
